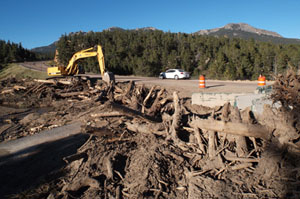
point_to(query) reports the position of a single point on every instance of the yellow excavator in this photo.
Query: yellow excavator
(73, 68)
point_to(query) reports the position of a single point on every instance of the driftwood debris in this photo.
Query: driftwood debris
(146, 128)
(65, 82)
(146, 142)
(176, 118)
(233, 128)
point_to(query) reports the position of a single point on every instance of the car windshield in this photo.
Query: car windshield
(170, 71)
(180, 70)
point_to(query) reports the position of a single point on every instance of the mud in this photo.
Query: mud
(143, 142)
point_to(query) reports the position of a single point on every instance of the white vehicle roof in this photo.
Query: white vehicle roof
(181, 70)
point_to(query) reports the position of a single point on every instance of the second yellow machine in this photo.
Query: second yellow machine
(73, 68)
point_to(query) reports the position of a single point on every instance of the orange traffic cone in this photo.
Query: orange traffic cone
(261, 80)
(201, 81)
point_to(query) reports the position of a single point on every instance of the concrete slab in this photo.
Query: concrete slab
(215, 99)
(258, 104)
(248, 100)
(255, 101)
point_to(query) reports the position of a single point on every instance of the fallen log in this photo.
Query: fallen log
(107, 114)
(176, 116)
(83, 97)
(147, 98)
(242, 129)
(155, 107)
(211, 144)
(66, 82)
(241, 166)
(199, 140)
(33, 88)
(70, 94)
(15, 88)
(211, 139)
(7, 91)
(232, 158)
(145, 128)
(130, 112)
(241, 145)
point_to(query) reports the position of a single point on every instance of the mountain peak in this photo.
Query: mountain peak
(239, 27)
(114, 28)
(247, 28)
(146, 28)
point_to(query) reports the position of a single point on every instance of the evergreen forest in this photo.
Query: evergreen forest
(147, 53)
(11, 52)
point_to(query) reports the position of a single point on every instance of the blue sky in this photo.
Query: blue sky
(37, 23)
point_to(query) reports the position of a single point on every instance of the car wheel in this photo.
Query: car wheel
(176, 77)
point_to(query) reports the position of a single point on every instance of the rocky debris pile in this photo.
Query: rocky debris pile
(147, 143)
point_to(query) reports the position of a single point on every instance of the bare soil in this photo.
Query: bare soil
(36, 65)
(145, 141)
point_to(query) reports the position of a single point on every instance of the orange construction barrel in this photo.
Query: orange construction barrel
(201, 81)
(261, 80)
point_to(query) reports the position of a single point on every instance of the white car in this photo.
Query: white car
(174, 74)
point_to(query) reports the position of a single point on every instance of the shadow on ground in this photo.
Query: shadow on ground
(212, 86)
(27, 168)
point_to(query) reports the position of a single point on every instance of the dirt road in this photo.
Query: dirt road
(36, 65)
(185, 88)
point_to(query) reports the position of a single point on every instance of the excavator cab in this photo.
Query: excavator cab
(54, 71)
(73, 68)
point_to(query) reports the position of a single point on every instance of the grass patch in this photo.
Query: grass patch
(20, 72)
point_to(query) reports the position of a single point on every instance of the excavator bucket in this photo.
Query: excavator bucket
(108, 77)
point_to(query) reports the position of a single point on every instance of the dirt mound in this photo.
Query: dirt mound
(147, 143)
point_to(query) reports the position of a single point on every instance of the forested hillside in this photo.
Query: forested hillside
(149, 52)
(11, 52)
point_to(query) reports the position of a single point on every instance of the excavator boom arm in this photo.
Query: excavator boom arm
(100, 58)
(72, 66)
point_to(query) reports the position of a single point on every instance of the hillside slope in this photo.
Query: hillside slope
(231, 30)
(245, 31)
